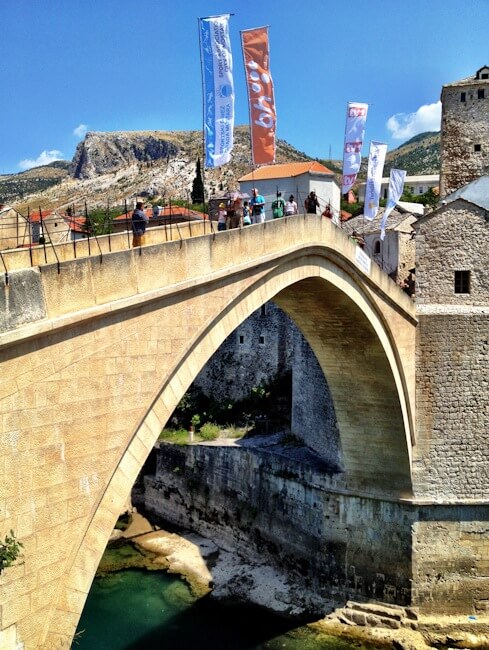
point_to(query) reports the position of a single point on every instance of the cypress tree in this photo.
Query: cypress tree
(198, 185)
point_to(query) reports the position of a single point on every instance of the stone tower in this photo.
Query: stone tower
(464, 131)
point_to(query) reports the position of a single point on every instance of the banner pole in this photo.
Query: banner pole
(199, 23)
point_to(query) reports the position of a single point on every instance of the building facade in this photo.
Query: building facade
(298, 179)
(416, 185)
(464, 131)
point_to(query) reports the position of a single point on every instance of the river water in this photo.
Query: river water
(141, 610)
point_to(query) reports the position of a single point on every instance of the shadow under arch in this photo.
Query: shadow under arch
(355, 349)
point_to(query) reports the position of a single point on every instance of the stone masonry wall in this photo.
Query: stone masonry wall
(259, 349)
(454, 238)
(452, 406)
(435, 557)
(313, 417)
(451, 559)
(289, 512)
(265, 345)
(464, 124)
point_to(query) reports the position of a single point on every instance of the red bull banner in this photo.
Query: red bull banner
(356, 116)
(263, 117)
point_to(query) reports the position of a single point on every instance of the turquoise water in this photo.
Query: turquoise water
(135, 609)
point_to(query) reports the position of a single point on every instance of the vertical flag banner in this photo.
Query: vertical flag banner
(218, 87)
(396, 188)
(356, 116)
(263, 117)
(376, 159)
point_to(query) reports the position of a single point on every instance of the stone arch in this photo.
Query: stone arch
(327, 298)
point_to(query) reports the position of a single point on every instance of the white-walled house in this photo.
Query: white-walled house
(416, 185)
(297, 178)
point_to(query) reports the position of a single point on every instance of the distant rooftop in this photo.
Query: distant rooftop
(476, 192)
(286, 170)
(395, 221)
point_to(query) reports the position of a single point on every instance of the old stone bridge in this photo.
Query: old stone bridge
(98, 344)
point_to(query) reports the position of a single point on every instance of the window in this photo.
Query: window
(462, 97)
(462, 282)
(385, 193)
(477, 148)
(377, 247)
(263, 310)
(485, 75)
(241, 340)
(421, 189)
(480, 93)
(262, 340)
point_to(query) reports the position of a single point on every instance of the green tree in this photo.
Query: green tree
(10, 550)
(197, 193)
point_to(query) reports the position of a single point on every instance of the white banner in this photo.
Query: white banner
(396, 188)
(376, 159)
(217, 77)
(356, 116)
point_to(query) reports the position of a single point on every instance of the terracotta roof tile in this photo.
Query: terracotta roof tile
(285, 170)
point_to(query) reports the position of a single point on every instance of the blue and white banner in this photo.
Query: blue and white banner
(376, 159)
(396, 188)
(217, 78)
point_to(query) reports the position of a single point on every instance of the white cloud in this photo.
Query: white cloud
(44, 158)
(406, 125)
(80, 130)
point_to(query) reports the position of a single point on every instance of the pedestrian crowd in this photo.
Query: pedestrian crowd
(235, 212)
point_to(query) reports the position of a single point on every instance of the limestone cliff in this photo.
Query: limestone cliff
(109, 168)
(101, 153)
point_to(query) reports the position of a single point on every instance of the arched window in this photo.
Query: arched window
(377, 247)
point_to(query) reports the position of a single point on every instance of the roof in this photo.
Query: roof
(167, 211)
(467, 81)
(394, 221)
(286, 170)
(476, 192)
(412, 208)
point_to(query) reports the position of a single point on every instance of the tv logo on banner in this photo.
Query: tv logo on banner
(356, 116)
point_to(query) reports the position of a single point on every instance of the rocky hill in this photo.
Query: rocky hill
(33, 181)
(111, 167)
(419, 155)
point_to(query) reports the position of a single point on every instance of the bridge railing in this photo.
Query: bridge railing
(22, 258)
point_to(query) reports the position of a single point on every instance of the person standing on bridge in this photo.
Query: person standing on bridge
(291, 207)
(311, 203)
(257, 207)
(139, 221)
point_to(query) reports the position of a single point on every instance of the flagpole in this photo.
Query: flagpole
(249, 110)
(199, 23)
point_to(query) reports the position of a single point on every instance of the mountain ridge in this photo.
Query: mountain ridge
(109, 167)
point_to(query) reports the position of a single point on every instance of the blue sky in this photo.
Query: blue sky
(116, 65)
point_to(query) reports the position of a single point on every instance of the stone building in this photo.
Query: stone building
(452, 295)
(396, 254)
(464, 131)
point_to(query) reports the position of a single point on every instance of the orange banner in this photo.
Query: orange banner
(263, 118)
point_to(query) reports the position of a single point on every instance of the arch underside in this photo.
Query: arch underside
(365, 396)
